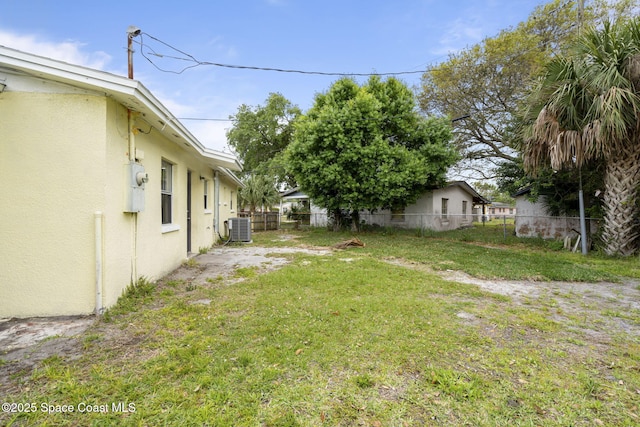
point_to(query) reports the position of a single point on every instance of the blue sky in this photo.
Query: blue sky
(338, 36)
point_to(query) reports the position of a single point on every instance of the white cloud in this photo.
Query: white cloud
(219, 45)
(67, 51)
(211, 134)
(461, 34)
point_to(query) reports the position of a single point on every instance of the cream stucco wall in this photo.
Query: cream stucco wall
(228, 203)
(52, 168)
(138, 244)
(62, 159)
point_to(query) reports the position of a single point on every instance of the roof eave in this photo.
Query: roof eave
(130, 93)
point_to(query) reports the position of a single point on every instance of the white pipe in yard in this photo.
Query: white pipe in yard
(583, 225)
(98, 242)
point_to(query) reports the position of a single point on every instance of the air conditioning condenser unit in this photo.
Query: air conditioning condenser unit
(240, 229)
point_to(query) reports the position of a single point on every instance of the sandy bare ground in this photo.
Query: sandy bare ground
(604, 303)
(24, 343)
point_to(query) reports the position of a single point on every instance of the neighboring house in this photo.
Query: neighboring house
(533, 220)
(290, 197)
(447, 208)
(499, 210)
(101, 186)
(453, 206)
(295, 199)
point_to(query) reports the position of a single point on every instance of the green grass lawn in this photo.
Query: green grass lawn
(350, 339)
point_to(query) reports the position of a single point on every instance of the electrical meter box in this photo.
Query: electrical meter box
(135, 179)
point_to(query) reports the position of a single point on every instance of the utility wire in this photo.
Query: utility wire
(205, 119)
(146, 51)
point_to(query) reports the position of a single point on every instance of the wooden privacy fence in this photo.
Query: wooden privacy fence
(261, 221)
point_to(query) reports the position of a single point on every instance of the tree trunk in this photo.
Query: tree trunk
(337, 220)
(620, 230)
(355, 221)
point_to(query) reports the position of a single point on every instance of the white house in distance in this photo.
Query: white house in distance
(448, 208)
(500, 210)
(453, 206)
(101, 185)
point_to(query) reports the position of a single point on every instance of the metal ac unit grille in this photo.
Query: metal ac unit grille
(240, 229)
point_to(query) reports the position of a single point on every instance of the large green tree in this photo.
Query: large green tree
(485, 84)
(587, 107)
(488, 82)
(366, 147)
(260, 135)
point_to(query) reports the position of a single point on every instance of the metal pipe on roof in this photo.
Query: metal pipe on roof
(132, 32)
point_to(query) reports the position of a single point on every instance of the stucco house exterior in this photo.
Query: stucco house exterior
(533, 220)
(453, 206)
(448, 208)
(101, 185)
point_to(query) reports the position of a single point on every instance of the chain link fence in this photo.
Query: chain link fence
(546, 227)
(435, 222)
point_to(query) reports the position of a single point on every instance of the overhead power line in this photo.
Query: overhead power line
(205, 119)
(146, 51)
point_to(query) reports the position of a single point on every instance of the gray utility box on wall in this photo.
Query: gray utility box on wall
(135, 177)
(240, 229)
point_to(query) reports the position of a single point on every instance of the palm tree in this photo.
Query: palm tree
(588, 107)
(259, 191)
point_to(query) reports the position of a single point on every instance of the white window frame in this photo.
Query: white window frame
(445, 207)
(166, 192)
(206, 194)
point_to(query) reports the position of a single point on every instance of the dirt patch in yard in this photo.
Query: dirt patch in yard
(25, 343)
(224, 262)
(604, 303)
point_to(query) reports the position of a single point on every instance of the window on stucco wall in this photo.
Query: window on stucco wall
(206, 194)
(464, 208)
(445, 208)
(231, 200)
(166, 190)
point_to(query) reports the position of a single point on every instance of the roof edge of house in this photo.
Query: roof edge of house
(129, 92)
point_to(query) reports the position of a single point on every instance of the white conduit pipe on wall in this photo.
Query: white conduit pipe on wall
(98, 238)
(131, 118)
(216, 204)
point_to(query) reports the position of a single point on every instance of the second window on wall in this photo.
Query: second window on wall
(206, 194)
(166, 190)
